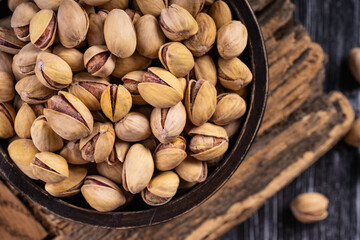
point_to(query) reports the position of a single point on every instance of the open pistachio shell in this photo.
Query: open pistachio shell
(21, 18)
(131, 81)
(152, 7)
(133, 127)
(99, 61)
(221, 13)
(70, 186)
(43, 27)
(169, 156)
(95, 34)
(230, 107)
(71, 152)
(7, 92)
(32, 91)
(71, 56)
(112, 172)
(232, 39)
(133, 63)
(192, 170)
(48, 4)
(205, 69)
(23, 121)
(7, 118)
(9, 43)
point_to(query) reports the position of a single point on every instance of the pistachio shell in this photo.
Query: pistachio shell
(71, 56)
(133, 63)
(131, 81)
(26, 58)
(71, 152)
(48, 4)
(193, 6)
(112, 172)
(119, 152)
(205, 69)
(113, 4)
(5, 63)
(169, 156)
(7, 92)
(21, 18)
(23, 121)
(230, 107)
(9, 43)
(152, 7)
(232, 39)
(99, 61)
(32, 91)
(192, 170)
(43, 27)
(7, 118)
(95, 34)
(12, 4)
(221, 13)
(134, 15)
(133, 127)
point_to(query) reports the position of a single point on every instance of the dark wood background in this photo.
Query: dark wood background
(335, 24)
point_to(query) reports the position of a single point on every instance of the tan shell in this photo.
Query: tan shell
(7, 92)
(152, 7)
(71, 152)
(221, 13)
(12, 4)
(169, 156)
(193, 6)
(176, 58)
(71, 56)
(233, 74)
(232, 39)
(32, 91)
(5, 62)
(136, 77)
(149, 36)
(205, 69)
(119, 33)
(10, 43)
(22, 152)
(26, 58)
(133, 63)
(232, 128)
(48, 4)
(107, 66)
(39, 26)
(70, 186)
(134, 127)
(113, 4)
(95, 34)
(73, 23)
(165, 130)
(192, 170)
(230, 107)
(7, 118)
(112, 172)
(120, 150)
(23, 121)
(21, 19)
(138, 169)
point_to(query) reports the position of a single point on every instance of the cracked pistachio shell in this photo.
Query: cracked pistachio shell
(232, 39)
(44, 138)
(115, 4)
(177, 23)
(149, 36)
(131, 81)
(161, 189)
(115, 102)
(168, 123)
(221, 13)
(21, 18)
(192, 170)
(112, 172)
(233, 74)
(205, 69)
(71, 56)
(132, 63)
(71, 152)
(22, 152)
(160, 88)
(7, 91)
(102, 194)
(95, 2)
(209, 140)
(134, 127)
(310, 207)
(99, 144)
(43, 27)
(26, 59)
(48, 4)
(193, 6)
(232, 128)
(32, 91)
(6, 62)
(9, 43)
(200, 101)
(7, 118)
(23, 121)
(49, 167)
(15, 69)
(119, 33)
(12, 4)
(69, 117)
(230, 107)
(53, 71)
(134, 15)
(73, 23)
(95, 34)
(138, 169)
(169, 156)
(99, 61)
(176, 58)
(152, 7)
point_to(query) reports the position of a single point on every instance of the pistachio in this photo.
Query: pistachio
(115, 102)
(176, 58)
(152, 7)
(118, 153)
(5, 63)
(134, 15)
(132, 63)
(138, 169)
(102, 194)
(310, 207)
(71, 152)
(115, 4)
(7, 92)
(232, 128)
(205, 69)
(7, 118)
(160, 88)
(112, 172)
(192, 170)
(149, 36)
(168, 123)
(49, 167)
(43, 28)
(133, 127)
(22, 152)
(95, 2)
(232, 39)
(52, 71)
(208, 141)
(9, 43)
(233, 74)
(68, 116)
(48, 4)
(221, 13)
(21, 18)
(230, 107)
(73, 23)
(169, 156)
(26, 59)
(131, 81)
(15, 69)
(193, 7)
(23, 121)
(200, 101)
(71, 56)
(95, 34)
(12, 4)
(32, 91)
(161, 189)
(353, 136)
(119, 33)
(177, 23)
(99, 61)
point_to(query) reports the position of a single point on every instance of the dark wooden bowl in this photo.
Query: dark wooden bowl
(138, 214)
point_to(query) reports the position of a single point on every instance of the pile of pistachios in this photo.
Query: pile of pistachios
(147, 96)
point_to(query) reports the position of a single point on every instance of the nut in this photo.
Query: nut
(43, 28)
(192, 170)
(134, 127)
(131, 81)
(130, 64)
(7, 92)
(205, 69)
(23, 121)
(32, 91)
(152, 7)
(99, 61)
(169, 156)
(95, 34)
(21, 18)
(71, 152)
(112, 172)
(7, 118)
(230, 107)
(9, 43)
(71, 56)
(232, 39)
(193, 7)
(221, 13)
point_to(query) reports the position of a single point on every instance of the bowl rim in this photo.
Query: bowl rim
(195, 196)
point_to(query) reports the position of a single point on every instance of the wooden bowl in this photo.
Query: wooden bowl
(138, 214)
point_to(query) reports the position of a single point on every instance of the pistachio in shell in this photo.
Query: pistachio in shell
(119, 33)
(133, 63)
(138, 169)
(71, 152)
(176, 58)
(6, 62)
(193, 7)
(192, 170)
(233, 74)
(7, 92)
(71, 56)
(22, 152)
(112, 172)
(95, 34)
(49, 167)
(168, 156)
(73, 23)
(102, 194)
(134, 15)
(20, 20)
(12, 4)
(32, 91)
(115, 102)
(160, 88)
(52, 71)
(68, 116)
(9, 43)
(152, 7)
(99, 61)
(48, 4)
(23, 121)
(26, 59)
(232, 39)
(131, 81)
(221, 13)
(168, 123)
(115, 4)
(161, 189)
(208, 141)
(134, 127)
(200, 101)
(230, 107)
(233, 127)
(177, 23)
(149, 36)
(43, 27)
(7, 118)
(205, 69)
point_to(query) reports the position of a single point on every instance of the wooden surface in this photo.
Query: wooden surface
(301, 124)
